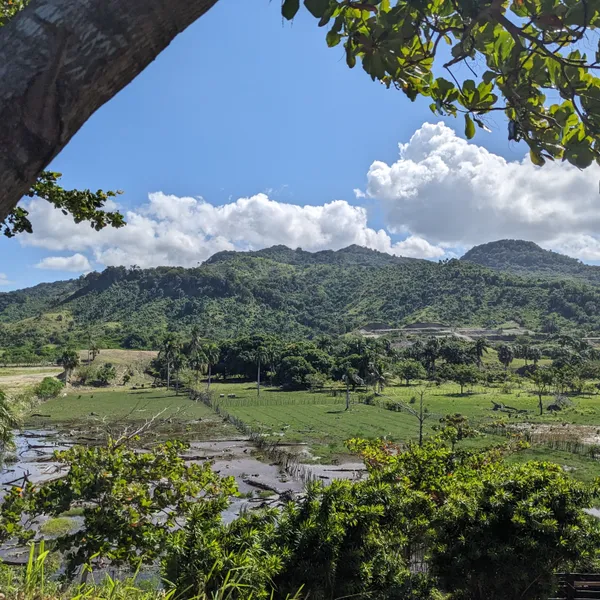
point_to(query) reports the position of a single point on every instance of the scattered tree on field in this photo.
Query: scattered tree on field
(542, 379)
(505, 355)
(410, 369)
(480, 348)
(106, 373)
(69, 359)
(211, 354)
(48, 388)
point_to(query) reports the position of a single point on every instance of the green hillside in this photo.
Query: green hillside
(519, 256)
(290, 293)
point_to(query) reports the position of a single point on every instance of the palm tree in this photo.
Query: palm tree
(378, 377)
(179, 360)
(346, 372)
(325, 343)
(480, 348)
(197, 359)
(260, 355)
(170, 347)
(69, 359)
(351, 377)
(196, 340)
(94, 351)
(211, 354)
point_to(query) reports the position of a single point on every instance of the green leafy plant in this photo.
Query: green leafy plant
(49, 387)
(132, 502)
(519, 52)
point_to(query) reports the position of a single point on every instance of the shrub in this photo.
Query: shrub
(48, 388)
(106, 373)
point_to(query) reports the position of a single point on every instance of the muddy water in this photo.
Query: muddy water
(32, 458)
(259, 482)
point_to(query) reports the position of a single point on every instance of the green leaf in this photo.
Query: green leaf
(333, 38)
(350, 56)
(469, 127)
(536, 159)
(317, 8)
(289, 8)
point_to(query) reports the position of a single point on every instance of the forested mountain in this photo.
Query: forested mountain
(289, 292)
(519, 256)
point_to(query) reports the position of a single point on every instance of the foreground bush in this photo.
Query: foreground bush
(428, 522)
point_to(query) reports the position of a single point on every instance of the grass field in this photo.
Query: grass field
(181, 415)
(15, 380)
(490, 358)
(320, 419)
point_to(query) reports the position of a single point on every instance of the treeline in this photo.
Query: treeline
(372, 362)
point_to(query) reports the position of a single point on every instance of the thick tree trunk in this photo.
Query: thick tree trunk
(209, 377)
(61, 60)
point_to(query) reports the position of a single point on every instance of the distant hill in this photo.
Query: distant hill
(519, 256)
(353, 255)
(291, 293)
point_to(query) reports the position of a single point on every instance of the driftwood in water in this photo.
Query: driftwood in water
(262, 486)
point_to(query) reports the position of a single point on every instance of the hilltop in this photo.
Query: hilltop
(291, 293)
(519, 256)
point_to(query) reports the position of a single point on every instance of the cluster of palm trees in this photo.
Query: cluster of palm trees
(196, 354)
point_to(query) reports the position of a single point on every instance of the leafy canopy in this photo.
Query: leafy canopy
(525, 59)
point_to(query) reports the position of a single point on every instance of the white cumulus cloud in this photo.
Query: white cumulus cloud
(172, 230)
(455, 193)
(77, 263)
(4, 280)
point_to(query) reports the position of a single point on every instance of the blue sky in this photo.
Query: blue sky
(244, 104)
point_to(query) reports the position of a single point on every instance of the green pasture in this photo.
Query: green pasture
(490, 358)
(476, 403)
(178, 414)
(320, 419)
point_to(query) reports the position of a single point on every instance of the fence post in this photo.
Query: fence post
(570, 586)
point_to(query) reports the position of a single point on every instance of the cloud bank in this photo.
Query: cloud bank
(77, 263)
(171, 230)
(442, 195)
(455, 193)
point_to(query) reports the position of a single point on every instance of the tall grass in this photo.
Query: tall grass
(563, 442)
(32, 583)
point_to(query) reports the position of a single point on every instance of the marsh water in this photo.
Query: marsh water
(259, 481)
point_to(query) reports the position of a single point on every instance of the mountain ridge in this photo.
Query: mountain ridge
(292, 293)
(524, 257)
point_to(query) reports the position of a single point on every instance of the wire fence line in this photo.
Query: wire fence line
(288, 461)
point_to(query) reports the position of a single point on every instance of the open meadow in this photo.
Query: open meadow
(94, 410)
(317, 420)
